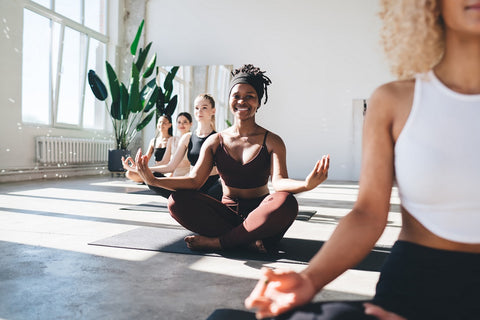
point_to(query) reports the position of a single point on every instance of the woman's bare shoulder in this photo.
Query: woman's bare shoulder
(213, 140)
(184, 139)
(393, 93)
(274, 141)
(390, 105)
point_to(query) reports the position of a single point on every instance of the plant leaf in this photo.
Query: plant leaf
(160, 109)
(113, 82)
(160, 105)
(147, 90)
(124, 100)
(115, 111)
(150, 67)
(152, 100)
(145, 121)
(97, 86)
(174, 70)
(134, 103)
(168, 83)
(172, 104)
(142, 55)
(133, 47)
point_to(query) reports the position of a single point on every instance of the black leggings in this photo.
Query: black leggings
(415, 282)
(212, 187)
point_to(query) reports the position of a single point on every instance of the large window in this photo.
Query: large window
(62, 39)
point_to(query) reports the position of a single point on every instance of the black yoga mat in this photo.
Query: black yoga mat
(231, 314)
(290, 250)
(303, 215)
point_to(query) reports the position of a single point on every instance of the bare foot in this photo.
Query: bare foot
(202, 243)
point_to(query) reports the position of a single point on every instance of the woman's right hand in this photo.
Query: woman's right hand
(279, 291)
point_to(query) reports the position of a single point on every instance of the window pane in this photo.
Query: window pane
(95, 15)
(70, 8)
(36, 69)
(94, 110)
(71, 78)
(45, 3)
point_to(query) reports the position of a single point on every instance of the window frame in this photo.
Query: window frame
(55, 84)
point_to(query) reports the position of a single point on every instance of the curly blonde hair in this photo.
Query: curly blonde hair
(412, 35)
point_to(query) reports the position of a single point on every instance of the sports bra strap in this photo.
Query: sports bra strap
(265, 138)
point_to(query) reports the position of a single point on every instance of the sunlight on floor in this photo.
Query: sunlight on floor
(352, 281)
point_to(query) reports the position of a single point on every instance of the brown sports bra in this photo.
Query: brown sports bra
(252, 174)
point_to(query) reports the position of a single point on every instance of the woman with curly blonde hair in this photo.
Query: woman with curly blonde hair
(421, 132)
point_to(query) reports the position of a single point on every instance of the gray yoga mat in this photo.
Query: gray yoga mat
(290, 250)
(303, 214)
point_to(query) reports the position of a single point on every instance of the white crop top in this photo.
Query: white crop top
(437, 161)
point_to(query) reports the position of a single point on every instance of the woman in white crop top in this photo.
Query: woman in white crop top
(422, 131)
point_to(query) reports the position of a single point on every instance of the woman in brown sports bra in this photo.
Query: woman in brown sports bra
(246, 155)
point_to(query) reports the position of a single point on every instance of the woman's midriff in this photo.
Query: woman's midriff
(236, 193)
(414, 231)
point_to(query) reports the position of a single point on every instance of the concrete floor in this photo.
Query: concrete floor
(48, 271)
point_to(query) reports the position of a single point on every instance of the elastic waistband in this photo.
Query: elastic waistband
(413, 251)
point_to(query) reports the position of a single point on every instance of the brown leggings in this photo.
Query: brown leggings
(235, 221)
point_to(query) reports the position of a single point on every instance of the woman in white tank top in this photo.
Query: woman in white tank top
(424, 133)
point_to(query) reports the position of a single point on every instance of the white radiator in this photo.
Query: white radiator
(66, 151)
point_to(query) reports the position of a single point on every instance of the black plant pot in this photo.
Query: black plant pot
(115, 159)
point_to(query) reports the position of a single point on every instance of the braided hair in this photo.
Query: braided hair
(253, 76)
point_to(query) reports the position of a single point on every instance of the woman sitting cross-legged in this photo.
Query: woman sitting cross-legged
(246, 155)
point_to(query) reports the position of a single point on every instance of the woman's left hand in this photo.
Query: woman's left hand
(319, 173)
(142, 168)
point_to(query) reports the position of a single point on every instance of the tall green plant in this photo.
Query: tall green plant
(129, 106)
(164, 103)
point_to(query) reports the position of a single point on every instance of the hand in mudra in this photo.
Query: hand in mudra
(129, 164)
(142, 167)
(278, 291)
(319, 173)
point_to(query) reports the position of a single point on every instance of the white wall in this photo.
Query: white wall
(320, 55)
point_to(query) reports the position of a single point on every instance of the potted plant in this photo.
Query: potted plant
(129, 108)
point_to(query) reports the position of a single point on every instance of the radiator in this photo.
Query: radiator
(66, 151)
